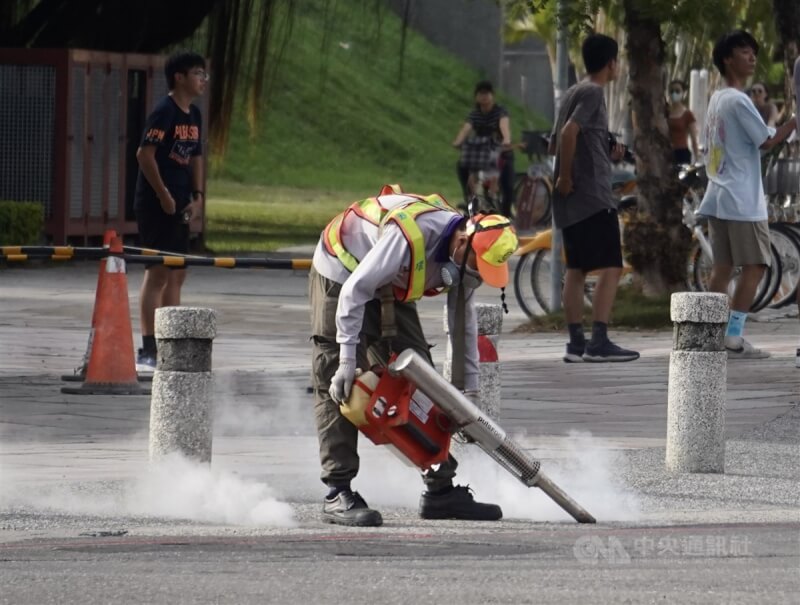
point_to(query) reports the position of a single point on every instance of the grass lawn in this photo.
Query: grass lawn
(339, 115)
(253, 218)
(338, 124)
(262, 218)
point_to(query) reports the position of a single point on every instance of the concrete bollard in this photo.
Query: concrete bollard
(697, 383)
(180, 407)
(490, 325)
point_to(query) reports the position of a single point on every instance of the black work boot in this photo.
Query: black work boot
(457, 503)
(348, 508)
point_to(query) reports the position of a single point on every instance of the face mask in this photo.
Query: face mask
(676, 96)
(451, 275)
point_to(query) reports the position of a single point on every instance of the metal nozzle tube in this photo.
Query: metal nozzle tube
(489, 436)
(580, 514)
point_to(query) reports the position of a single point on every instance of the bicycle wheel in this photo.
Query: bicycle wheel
(542, 288)
(522, 211)
(540, 279)
(787, 242)
(770, 283)
(533, 203)
(699, 269)
(543, 201)
(523, 284)
(519, 181)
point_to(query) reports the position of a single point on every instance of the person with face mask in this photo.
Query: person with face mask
(682, 125)
(372, 262)
(766, 108)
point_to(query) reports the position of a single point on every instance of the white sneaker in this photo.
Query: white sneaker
(731, 342)
(745, 351)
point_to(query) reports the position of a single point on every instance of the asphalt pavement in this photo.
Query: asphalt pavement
(84, 517)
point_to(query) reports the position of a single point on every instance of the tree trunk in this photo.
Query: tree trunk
(656, 241)
(787, 22)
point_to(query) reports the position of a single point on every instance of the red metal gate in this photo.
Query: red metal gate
(70, 124)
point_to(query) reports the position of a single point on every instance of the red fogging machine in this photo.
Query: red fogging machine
(414, 410)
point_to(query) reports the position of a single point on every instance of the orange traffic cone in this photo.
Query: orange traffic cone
(80, 372)
(112, 366)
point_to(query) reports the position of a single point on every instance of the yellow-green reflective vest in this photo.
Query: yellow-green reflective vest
(404, 216)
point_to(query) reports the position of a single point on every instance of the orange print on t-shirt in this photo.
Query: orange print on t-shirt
(155, 135)
(185, 132)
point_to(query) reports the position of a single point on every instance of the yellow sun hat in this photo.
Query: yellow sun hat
(494, 240)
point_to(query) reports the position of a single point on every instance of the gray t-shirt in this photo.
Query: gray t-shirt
(585, 105)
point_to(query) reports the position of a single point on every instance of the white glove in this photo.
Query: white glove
(342, 381)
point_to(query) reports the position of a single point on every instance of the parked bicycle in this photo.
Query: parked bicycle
(532, 286)
(778, 286)
(533, 189)
(782, 187)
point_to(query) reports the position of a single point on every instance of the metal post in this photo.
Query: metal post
(698, 103)
(562, 81)
(562, 55)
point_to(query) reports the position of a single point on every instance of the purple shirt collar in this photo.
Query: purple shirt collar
(443, 253)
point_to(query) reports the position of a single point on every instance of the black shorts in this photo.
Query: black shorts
(161, 231)
(594, 242)
(681, 156)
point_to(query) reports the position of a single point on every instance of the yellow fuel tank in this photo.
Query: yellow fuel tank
(354, 409)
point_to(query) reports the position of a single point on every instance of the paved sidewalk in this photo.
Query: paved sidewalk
(76, 464)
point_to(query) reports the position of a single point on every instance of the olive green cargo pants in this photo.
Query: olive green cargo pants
(338, 437)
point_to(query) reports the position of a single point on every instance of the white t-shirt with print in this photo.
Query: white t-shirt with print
(734, 132)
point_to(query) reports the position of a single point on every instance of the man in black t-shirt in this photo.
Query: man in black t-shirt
(169, 187)
(487, 122)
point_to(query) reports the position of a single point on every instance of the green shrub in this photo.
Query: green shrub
(21, 223)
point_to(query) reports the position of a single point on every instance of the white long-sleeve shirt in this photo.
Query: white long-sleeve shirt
(384, 258)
